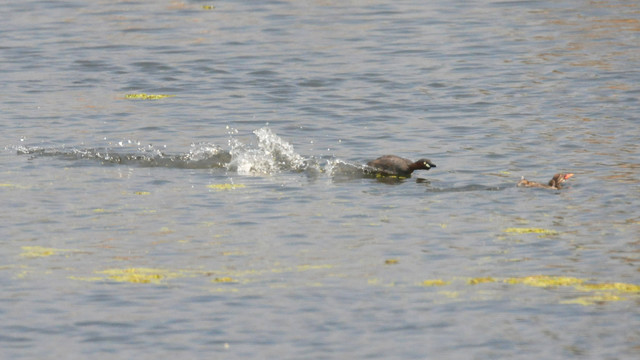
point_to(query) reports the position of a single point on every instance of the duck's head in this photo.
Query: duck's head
(423, 164)
(558, 179)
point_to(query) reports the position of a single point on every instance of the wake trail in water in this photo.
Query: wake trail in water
(268, 155)
(200, 157)
(471, 187)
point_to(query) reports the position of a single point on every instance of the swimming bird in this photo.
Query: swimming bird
(555, 182)
(391, 165)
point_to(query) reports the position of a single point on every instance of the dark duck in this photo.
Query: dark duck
(555, 182)
(391, 165)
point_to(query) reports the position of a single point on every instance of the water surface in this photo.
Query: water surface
(235, 218)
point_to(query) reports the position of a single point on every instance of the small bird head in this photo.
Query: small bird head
(558, 179)
(424, 164)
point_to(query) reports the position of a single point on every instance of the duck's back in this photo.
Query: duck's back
(526, 183)
(392, 165)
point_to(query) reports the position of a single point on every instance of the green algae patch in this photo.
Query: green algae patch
(233, 253)
(12, 186)
(299, 268)
(224, 279)
(593, 300)
(143, 96)
(85, 278)
(390, 177)
(164, 231)
(450, 294)
(530, 230)
(391, 261)
(604, 293)
(617, 287)
(140, 275)
(475, 281)
(435, 282)
(378, 282)
(39, 251)
(545, 281)
(142, 193)
(306, 267)
(221, 187)
(224, 290)
(208, 7)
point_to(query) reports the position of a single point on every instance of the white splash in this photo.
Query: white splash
(203, 151)
(271, 156)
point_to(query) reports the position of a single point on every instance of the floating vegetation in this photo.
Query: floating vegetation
(143, 96)
(620, 287)
(450, 294)
(383, 176)
(159, 275)
(593, 300)
(474, 281)
(225, 289)
(86, 278)
(225, 186)
(545, 281)
(39, 251)
(603, 292)
(232, 252)
(140, 275)
(164, 231)
(312, 267)
(565, 289)
(435, 282)
(208, 7)
(378, 282)
(606, 292)
(543, 232)
(142, 193)
(12, 186)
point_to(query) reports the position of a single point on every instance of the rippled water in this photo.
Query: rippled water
(235, 218)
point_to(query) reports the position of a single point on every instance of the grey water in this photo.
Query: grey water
(236, 219)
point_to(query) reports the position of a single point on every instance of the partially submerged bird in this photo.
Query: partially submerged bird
(554, 183)
(391, 165)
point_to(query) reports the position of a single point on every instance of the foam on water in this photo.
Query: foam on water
(270, 156)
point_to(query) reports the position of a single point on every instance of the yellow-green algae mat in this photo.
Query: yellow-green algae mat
(225, 186)
(39, 251)
(604, 292)
(596, 293)
(136, 275)
(144, 96)
(12, 186)
(531, 230)
(158, 276)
